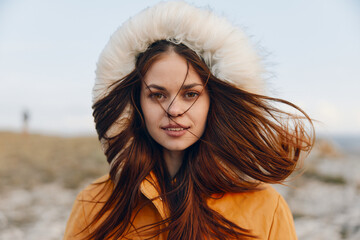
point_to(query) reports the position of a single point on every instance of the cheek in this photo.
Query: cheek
(201, 113)
(145, 110)
(150, 113)
(205, 106)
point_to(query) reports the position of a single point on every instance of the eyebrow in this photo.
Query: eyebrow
(184, 87)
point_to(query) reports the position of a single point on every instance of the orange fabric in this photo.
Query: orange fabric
(265, 212)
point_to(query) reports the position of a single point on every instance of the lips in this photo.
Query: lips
(174, 127)
(175, 130)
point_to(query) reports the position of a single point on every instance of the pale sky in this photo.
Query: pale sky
(48, 52)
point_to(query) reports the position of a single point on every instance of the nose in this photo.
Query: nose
(175, 109)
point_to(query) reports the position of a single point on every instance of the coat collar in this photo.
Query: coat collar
(151, 190)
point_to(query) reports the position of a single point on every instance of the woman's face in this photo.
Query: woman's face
(167, 92)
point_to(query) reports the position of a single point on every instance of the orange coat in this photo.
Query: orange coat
(265, 212)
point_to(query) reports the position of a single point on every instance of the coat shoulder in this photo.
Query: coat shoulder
(258, 211)
(266, 198)
(88, 202)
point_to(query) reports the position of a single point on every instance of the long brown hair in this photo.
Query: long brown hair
(246, 141)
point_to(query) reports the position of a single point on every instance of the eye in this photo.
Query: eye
(191, 95)
(157, 96)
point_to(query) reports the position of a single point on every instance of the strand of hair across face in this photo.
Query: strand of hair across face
(172, 101)
(182, 85)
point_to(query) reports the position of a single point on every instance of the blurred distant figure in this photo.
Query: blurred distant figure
(25, 120)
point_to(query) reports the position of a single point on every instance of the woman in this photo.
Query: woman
(190, 144)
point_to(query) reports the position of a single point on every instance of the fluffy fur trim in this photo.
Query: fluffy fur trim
(224, 47)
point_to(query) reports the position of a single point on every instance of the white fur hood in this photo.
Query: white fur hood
(224, 47)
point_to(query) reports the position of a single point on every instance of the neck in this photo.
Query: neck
(173, 161)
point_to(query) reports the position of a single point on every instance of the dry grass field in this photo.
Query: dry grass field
(27, 161)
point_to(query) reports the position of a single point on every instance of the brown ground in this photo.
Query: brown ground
(28, 161)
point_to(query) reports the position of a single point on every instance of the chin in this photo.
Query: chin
(177, 147)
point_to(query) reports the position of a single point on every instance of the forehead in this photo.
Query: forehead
(170, 70)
